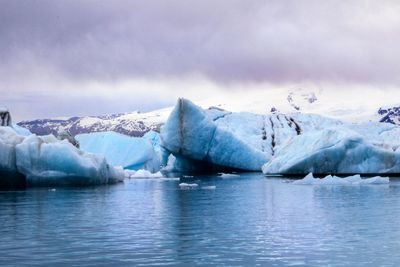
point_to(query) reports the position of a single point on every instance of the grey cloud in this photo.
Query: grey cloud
(225, 41)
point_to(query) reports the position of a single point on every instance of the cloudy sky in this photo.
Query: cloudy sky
(63, 58)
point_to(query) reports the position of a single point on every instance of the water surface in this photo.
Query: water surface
(250, 220)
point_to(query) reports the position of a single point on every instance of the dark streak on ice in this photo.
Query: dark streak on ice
(297, 127)
(272, 136)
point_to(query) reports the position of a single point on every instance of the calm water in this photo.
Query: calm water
(243, 221)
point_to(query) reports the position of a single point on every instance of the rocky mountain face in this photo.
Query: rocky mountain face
(390, 115)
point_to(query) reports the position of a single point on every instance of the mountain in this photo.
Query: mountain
(132, 124)
(298, 99)
(390, 115)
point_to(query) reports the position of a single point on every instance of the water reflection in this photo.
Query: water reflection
(249, 220)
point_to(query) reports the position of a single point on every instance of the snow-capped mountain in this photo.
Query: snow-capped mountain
(132, 124)
(299, 99)
(390, 115)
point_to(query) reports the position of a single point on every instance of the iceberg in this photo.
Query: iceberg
(189, 134)
(292, 144)
(334, 180)
(229, 175)
(9, 174)
(154, 139)
(219, 140)
(21, 130)
(47, 161)
(338, 150)
(132, 153)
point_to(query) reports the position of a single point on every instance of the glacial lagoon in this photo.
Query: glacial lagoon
(232, 221)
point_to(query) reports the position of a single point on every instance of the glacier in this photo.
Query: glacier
(46, 161)
(132, 153)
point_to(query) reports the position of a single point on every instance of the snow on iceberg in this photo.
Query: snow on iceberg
(339, 150)
(132, 153)
(334, 180)
(46, 161)
(190, 134)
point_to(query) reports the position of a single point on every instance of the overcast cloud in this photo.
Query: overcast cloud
(48, 48)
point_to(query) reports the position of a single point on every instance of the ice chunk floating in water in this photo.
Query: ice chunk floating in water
(334, 180)
(188, 186)
(287, 143)
(46, 161)
(190, 133)
(142, 174)
(337, 150)
(229, 175)
(132, 153)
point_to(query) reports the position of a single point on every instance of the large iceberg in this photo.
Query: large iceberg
(339, 150)
(132, 153)
(46, 161)
(190, 134)
(241, 140)
(283, 143)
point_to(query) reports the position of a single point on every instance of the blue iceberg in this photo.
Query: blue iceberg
(47, 161)
(189, 134)
(132, 153)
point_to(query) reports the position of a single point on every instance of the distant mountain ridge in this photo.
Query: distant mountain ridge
(390, 115)
(131, 124)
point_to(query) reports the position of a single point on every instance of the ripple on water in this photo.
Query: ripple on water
(247, 221)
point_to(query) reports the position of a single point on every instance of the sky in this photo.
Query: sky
(70, 57)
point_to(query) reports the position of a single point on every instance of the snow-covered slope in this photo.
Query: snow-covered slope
(132, 124)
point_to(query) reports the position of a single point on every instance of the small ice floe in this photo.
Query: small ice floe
(188, 176)
(188, 186)
(229, 175)
(209, 187)
(142, 174)
(334, 180)
(52, 190)
(170, 179)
